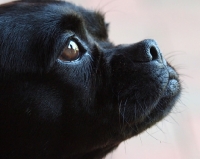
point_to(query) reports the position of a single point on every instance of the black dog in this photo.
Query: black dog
(66, 92)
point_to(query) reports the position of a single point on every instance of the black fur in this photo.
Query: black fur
(82, 109)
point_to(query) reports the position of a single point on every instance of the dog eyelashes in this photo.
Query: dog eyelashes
(71, 52)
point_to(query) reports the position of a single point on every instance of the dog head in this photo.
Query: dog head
(67, 91)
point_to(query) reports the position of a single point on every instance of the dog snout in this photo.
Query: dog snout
(146, 51)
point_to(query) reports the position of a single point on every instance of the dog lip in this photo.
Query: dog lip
(173, 85)
(172, 73)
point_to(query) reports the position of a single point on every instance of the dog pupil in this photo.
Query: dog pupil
(73, 50)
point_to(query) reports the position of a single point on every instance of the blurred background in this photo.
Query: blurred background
(175, 25)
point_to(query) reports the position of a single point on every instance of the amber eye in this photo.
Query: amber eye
(70, 52)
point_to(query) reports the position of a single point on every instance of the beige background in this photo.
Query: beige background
(175, 25)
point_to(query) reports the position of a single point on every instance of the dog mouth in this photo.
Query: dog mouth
(165, 104)
(157, 110)
(141, 108)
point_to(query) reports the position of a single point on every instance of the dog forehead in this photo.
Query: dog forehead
(91, 20)
(54, 12)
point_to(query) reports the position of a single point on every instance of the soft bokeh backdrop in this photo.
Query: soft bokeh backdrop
(175, 25)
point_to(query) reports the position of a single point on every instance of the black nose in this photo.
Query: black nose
(146, 51)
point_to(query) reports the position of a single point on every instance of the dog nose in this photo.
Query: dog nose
(146, 51)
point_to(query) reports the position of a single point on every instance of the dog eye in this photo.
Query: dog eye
(70, 52)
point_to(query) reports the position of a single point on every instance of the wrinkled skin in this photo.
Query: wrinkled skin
(75, 109)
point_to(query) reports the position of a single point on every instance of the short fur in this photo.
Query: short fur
(81, 109)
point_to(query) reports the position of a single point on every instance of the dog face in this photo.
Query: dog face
(66, 91)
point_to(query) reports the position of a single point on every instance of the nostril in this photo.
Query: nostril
(154, 53)
(144, 51)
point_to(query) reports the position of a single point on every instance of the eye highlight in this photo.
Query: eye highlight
(71, 52)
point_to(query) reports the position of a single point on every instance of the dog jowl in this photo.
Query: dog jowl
(67, 92)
